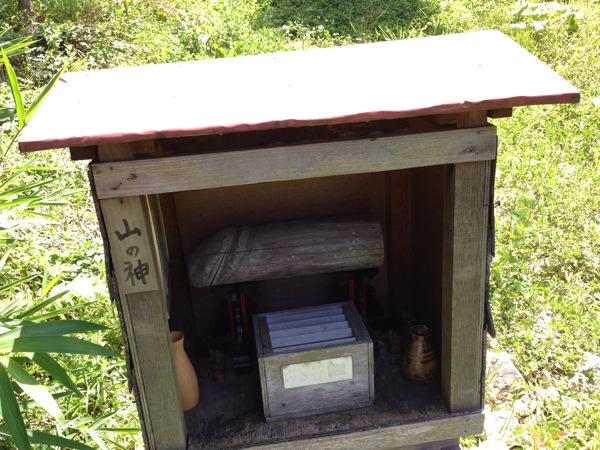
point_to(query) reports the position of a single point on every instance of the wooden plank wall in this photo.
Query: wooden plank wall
(425, 289)
(202, 213)
(398, 239)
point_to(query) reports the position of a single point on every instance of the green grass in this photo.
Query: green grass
(546, 275)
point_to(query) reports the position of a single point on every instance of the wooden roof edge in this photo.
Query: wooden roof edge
(32, 144)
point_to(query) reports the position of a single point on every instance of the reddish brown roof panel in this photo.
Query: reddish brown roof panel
(387, 80)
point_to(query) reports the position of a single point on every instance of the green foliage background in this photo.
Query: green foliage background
(546, 275)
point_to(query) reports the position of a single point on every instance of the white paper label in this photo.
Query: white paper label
(317, 372)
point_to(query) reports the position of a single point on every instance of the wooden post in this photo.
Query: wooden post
(25, 6)
(464, 254)
(134, 246)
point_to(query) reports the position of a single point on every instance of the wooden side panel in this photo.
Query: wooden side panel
(465, 235)
(398, 237)
(181, 315)
(154, 371)
(144, 308)
(427, 197)
(145, 317)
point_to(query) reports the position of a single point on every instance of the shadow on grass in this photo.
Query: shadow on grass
(356, 18)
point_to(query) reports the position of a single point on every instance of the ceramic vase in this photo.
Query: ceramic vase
(186, 375)
(419, 363)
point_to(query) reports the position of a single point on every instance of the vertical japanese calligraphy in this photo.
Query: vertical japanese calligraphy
(130, 244)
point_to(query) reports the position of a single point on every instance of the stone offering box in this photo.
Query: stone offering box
(397, 131)
(314, 360)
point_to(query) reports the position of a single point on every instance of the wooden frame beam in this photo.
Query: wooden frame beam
(235, 168)
(407, 436)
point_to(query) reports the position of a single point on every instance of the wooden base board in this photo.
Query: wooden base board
(230, 415)
(449, 444)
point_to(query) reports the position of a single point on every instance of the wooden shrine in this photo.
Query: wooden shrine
(397, 130)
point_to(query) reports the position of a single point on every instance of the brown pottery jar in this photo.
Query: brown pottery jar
(419, 363)
(186, 375)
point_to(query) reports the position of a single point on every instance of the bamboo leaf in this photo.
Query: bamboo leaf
(45, 277)
(28, 404)
(40, 98)
(6, 113)
(16, 46)
(33, 165)
(15, 90)
(32, 387)
(41, 305)
(47, 329)
(12, 323)
(19, 282)
(38, 437)
(101, 445)
(11, 414)
(4, 258)
(58, 312)
(128, 430)
(38, 214)
(46, 202)
(24, 188)
(10, 308)
(101, 420)
(21, 201)
(115, 444)
(10, 179)
(56, 344)
(55, 370)
(47, 285)
(50, 284)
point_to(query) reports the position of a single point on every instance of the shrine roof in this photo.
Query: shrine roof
(386, 80)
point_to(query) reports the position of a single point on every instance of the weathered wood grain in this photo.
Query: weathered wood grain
(235, 168)
(145, 316)
(501, 113)
(465, 236)
(287, 249)
(83, 153)
(180, 307)
(144, 313)
(312, 373)
(398, 229)
(128, 237)
(408, 436)
(464, 284)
